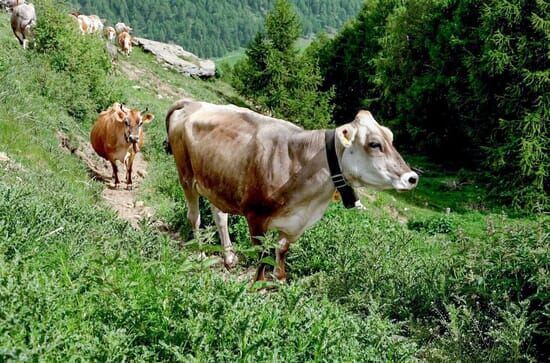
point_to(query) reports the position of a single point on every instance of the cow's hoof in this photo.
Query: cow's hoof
(230, 260)
(129, 187)
(281, 278)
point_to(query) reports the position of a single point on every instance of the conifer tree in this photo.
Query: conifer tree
(278, 78)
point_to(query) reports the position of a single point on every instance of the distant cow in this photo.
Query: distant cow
(84, 23)
(23, 20)
(118, 135)
(274, 173)
(125, 42)
(110, 33)
(96, 24)
(121, 28)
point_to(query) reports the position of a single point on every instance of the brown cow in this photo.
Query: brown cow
(272, 172)
(110, 34)
(117, 135)
(23, 20)
(125, 42)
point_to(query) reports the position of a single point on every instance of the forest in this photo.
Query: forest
(212, 28)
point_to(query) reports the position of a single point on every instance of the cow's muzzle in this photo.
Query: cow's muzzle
(407, 181)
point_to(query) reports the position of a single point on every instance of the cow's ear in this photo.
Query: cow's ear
(148, 118)
(120, 116)
(346, 134)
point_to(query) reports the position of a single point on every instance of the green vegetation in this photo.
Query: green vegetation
(278, 78)
(404, 280)
(214, 28)
(462, 81)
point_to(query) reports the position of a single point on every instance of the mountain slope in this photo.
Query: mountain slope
(434, 275)
(212, 28)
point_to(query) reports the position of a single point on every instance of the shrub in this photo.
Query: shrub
(81, 62)
(434, 225)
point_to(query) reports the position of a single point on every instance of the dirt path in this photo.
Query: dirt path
(124, 202)
(146, 79)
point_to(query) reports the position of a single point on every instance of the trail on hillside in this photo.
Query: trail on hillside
(125, 202)
(147, 79)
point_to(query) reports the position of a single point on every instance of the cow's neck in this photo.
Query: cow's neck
(310, 150)
(309, 191)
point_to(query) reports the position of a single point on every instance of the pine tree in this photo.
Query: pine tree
(279, 79)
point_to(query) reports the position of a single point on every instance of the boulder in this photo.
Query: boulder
(177, 58)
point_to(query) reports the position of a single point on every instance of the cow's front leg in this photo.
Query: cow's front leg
(129, 162)
(230, 259)
(115, 173)
(282, 250)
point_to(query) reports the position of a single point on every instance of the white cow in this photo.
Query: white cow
(23, 20)
(121, 28)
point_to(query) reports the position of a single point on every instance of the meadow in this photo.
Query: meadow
(440, 274)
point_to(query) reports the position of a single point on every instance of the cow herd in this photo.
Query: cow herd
(93, 24)
(277, 175)
(23, 21)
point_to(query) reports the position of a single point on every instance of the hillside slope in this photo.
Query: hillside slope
(435, 275)
(213, 28)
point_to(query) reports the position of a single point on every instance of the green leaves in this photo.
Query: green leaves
(278, 78)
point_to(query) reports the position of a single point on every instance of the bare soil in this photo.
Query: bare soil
(124, 201)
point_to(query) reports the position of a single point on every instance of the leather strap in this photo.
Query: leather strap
(346, 191)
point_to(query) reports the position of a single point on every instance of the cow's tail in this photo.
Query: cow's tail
(178, 105)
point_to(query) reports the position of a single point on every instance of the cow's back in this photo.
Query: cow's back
(236, 157)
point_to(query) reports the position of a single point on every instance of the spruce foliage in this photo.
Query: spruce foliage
(212, 28)
(278, 78)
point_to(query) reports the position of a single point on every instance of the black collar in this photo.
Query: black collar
(346, 191)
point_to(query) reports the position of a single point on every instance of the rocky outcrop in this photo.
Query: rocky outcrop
(177, 58)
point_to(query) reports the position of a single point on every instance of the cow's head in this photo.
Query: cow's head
(369, 158)
(133, 122)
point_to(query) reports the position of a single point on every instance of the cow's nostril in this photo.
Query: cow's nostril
(412, 180)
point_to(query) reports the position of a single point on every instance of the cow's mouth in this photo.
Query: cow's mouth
(135, 146)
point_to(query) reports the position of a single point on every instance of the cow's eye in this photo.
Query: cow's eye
(375, 145)
(127, 122)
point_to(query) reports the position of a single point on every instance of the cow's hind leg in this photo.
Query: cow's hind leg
(193, 211)
(230, 259)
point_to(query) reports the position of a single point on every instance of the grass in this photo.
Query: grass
(402, 281)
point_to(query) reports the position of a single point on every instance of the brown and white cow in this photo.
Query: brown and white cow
(273, 172)
(84, 23)
(121, 28)
(118, 135)
(23, 20)
(125, 42)
(96, 24)
(110, 34)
